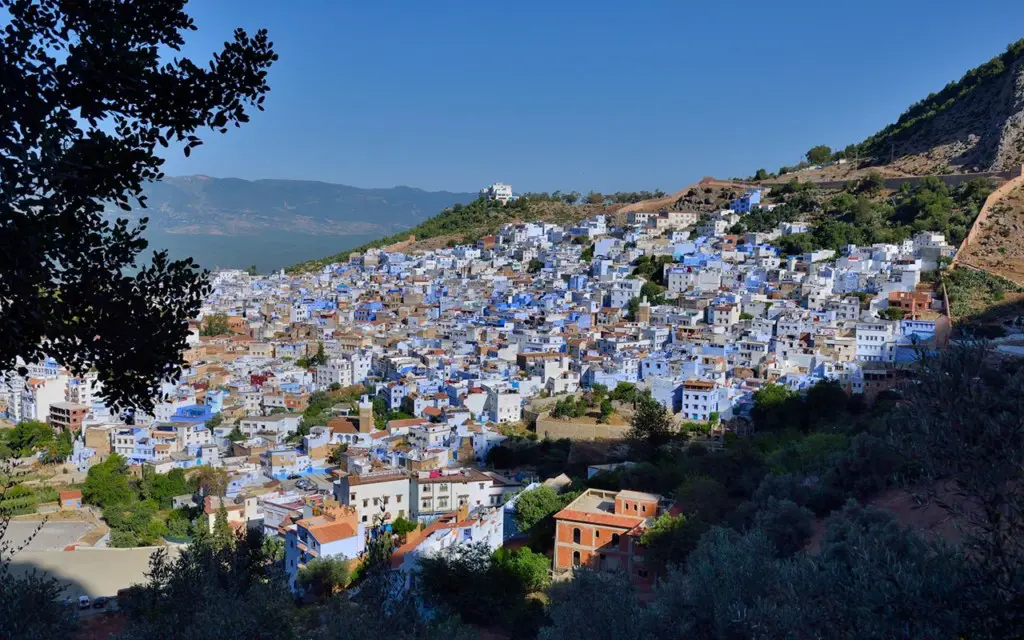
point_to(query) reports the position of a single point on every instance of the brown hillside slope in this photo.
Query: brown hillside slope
(994, 243)
(974, 124)
(693, 198)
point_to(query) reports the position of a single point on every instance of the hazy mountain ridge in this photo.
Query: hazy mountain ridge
(232, 206)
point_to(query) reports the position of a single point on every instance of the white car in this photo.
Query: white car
(84, 602)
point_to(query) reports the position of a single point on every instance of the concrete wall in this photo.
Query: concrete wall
(556, 429)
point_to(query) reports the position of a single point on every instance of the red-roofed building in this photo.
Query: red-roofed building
(334, 532)
(70, 500)
(601, 530)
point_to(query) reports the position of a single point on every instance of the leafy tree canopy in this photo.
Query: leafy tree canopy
(88, 98)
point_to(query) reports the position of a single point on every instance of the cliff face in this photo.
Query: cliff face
(975, 124)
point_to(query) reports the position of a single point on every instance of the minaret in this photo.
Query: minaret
(365, 415)
(643, 311)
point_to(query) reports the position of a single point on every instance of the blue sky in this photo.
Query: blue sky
(604, 95)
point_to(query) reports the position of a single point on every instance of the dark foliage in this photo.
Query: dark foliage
(87, 101)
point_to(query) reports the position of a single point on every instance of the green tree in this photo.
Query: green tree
(651, 425)
(215, 325)
(819, 154)
(594, 606)
(606, 410)
(535, 266)
(106, 484)
(90, 95)
(236, 434)
(162, 487)
(533, 506)
(29, 436)
(210, 481)
(787, 525)
(337, 455)
(625, 392)
(773, 407)
(670, 540)
(322, 577)
(595, 198)
(481, 587)
(60, 449)
(178, 523)
(208, 591)
(531, 571)
(402, 527)
(703, 498)
(761, 174)
(223, 536)
(893, 313)
(252, 270)
(320, 357)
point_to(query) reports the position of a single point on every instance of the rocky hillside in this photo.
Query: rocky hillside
(973, 124)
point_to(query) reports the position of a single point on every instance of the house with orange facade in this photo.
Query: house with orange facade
(601, 530)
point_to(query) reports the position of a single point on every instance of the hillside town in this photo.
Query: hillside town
(420, 365)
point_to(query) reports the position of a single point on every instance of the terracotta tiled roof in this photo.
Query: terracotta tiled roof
(332, 532)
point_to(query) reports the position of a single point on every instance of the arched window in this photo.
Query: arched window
(575, 558)
(576, 535)
(615, 539)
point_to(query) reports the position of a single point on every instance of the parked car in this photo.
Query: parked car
(304, 484)
(99, 602)
(294, 476)
(84, 602)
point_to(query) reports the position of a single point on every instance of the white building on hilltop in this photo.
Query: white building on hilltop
(498, 191)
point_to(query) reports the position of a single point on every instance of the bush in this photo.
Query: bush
(321, 577)
(787, 525)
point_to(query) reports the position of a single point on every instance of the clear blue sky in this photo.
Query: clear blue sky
(596, 94)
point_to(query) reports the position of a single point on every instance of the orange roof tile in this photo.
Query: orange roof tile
(332, 532)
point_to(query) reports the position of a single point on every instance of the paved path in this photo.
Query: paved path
(54, 536)
(90, 572)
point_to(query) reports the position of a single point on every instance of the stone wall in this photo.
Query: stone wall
(548, 427)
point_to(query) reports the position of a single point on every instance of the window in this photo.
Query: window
(398, 497)
(366, 502)
(443, 487)
(576, 535)
(576, 557)
(481, 485)
(426, 488)
(615, 539)
(375, 501)
(597, 534)
(364, 518)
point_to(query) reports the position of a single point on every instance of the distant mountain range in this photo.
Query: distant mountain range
(230, 222)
